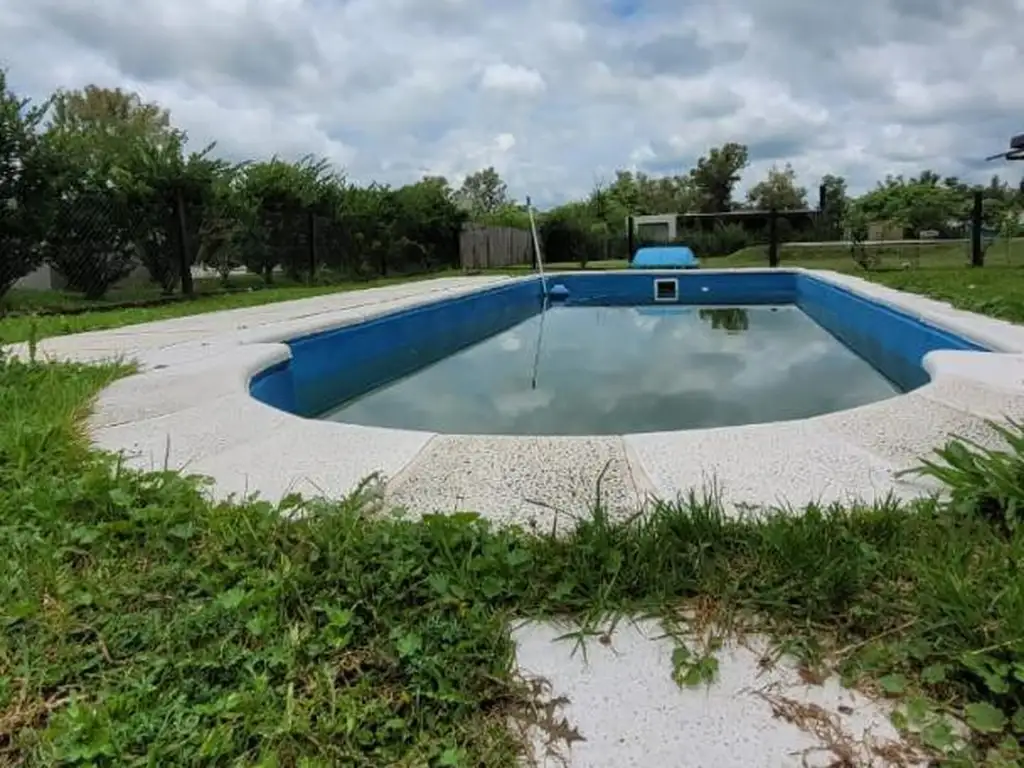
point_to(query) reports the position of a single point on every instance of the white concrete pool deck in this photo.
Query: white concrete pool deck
(189, 408)
(612, 702)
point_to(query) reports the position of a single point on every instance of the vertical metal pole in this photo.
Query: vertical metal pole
(311, 233)
(184, 262)
(977, 254)
(773, 238)
(536, 249)
(630, 239)
(824, 224)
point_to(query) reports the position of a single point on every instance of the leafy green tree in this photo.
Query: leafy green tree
(109, 113)
(172, 188)
(640, 194)
(921, 203)
(716, 175)
(835, 204)
(779, 190)
(227, 226)
(483, 192)
(428, 225)
(571, 232)
(104, 137)
(285, 196)
(27, 168)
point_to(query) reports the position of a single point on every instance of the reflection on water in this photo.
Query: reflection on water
(612, 370)
(728, 319)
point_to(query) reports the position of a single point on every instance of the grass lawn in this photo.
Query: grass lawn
(142, 625)
(20, 323)
(935, 255)
(997, 289)
(21, 300)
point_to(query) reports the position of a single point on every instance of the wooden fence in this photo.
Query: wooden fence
(494, 247)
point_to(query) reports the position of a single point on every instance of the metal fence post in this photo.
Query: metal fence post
(311, 234)
(184, 263)
(773, 238)
(977, 252)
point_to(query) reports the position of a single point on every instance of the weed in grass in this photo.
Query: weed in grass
(142, 624)
(987, 483)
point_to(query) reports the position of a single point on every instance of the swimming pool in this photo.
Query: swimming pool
(267, 373)
(611, 353)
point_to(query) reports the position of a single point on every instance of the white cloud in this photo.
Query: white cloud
(503, 77)
(554, 93)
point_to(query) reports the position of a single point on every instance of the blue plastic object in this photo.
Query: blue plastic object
(664, 257)
(558, 293)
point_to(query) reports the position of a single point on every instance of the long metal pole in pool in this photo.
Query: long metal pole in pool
(536, 248)
(544, 297)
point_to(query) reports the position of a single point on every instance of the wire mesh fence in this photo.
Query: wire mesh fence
(819, 239)
(103, 249)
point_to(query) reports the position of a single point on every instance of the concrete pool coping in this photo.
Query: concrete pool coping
(190, 408)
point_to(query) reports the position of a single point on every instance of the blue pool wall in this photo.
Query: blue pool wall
(330, 367)
(334, 366)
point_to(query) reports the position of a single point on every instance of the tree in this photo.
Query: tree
(778, 190)
(573, 232)
(283, 196)
(835, 199)
(717, 174)
(917, 204)
(427, 226)
(229, 219)
(835, 203)
(27, 166)
(640, 194)
(483, 192)
(171, 189)
(111, 113)
(102, 228)
(855, 223)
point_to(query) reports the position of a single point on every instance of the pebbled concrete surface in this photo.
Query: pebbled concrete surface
(795, 463)
(540, 483)
(616, 706)
(189, 408)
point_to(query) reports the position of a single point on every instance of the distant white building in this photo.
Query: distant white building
(46, 278)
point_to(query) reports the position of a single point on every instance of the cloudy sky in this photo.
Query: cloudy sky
(556, 94)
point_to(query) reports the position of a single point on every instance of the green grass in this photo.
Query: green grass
(17, 301)
(934, 255)
(567, 266)
(993, 290)
(939, 271)
(942, 272)
(142, 625)
(21, 324)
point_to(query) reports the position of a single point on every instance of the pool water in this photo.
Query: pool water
(617, 370)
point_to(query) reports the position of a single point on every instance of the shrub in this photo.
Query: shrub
(94, 240)
(566, 235)
(26, 161)
(722, 240)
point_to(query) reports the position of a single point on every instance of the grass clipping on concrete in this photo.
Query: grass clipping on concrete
(142, 625)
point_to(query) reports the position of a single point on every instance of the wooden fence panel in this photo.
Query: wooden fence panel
(494, 247)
